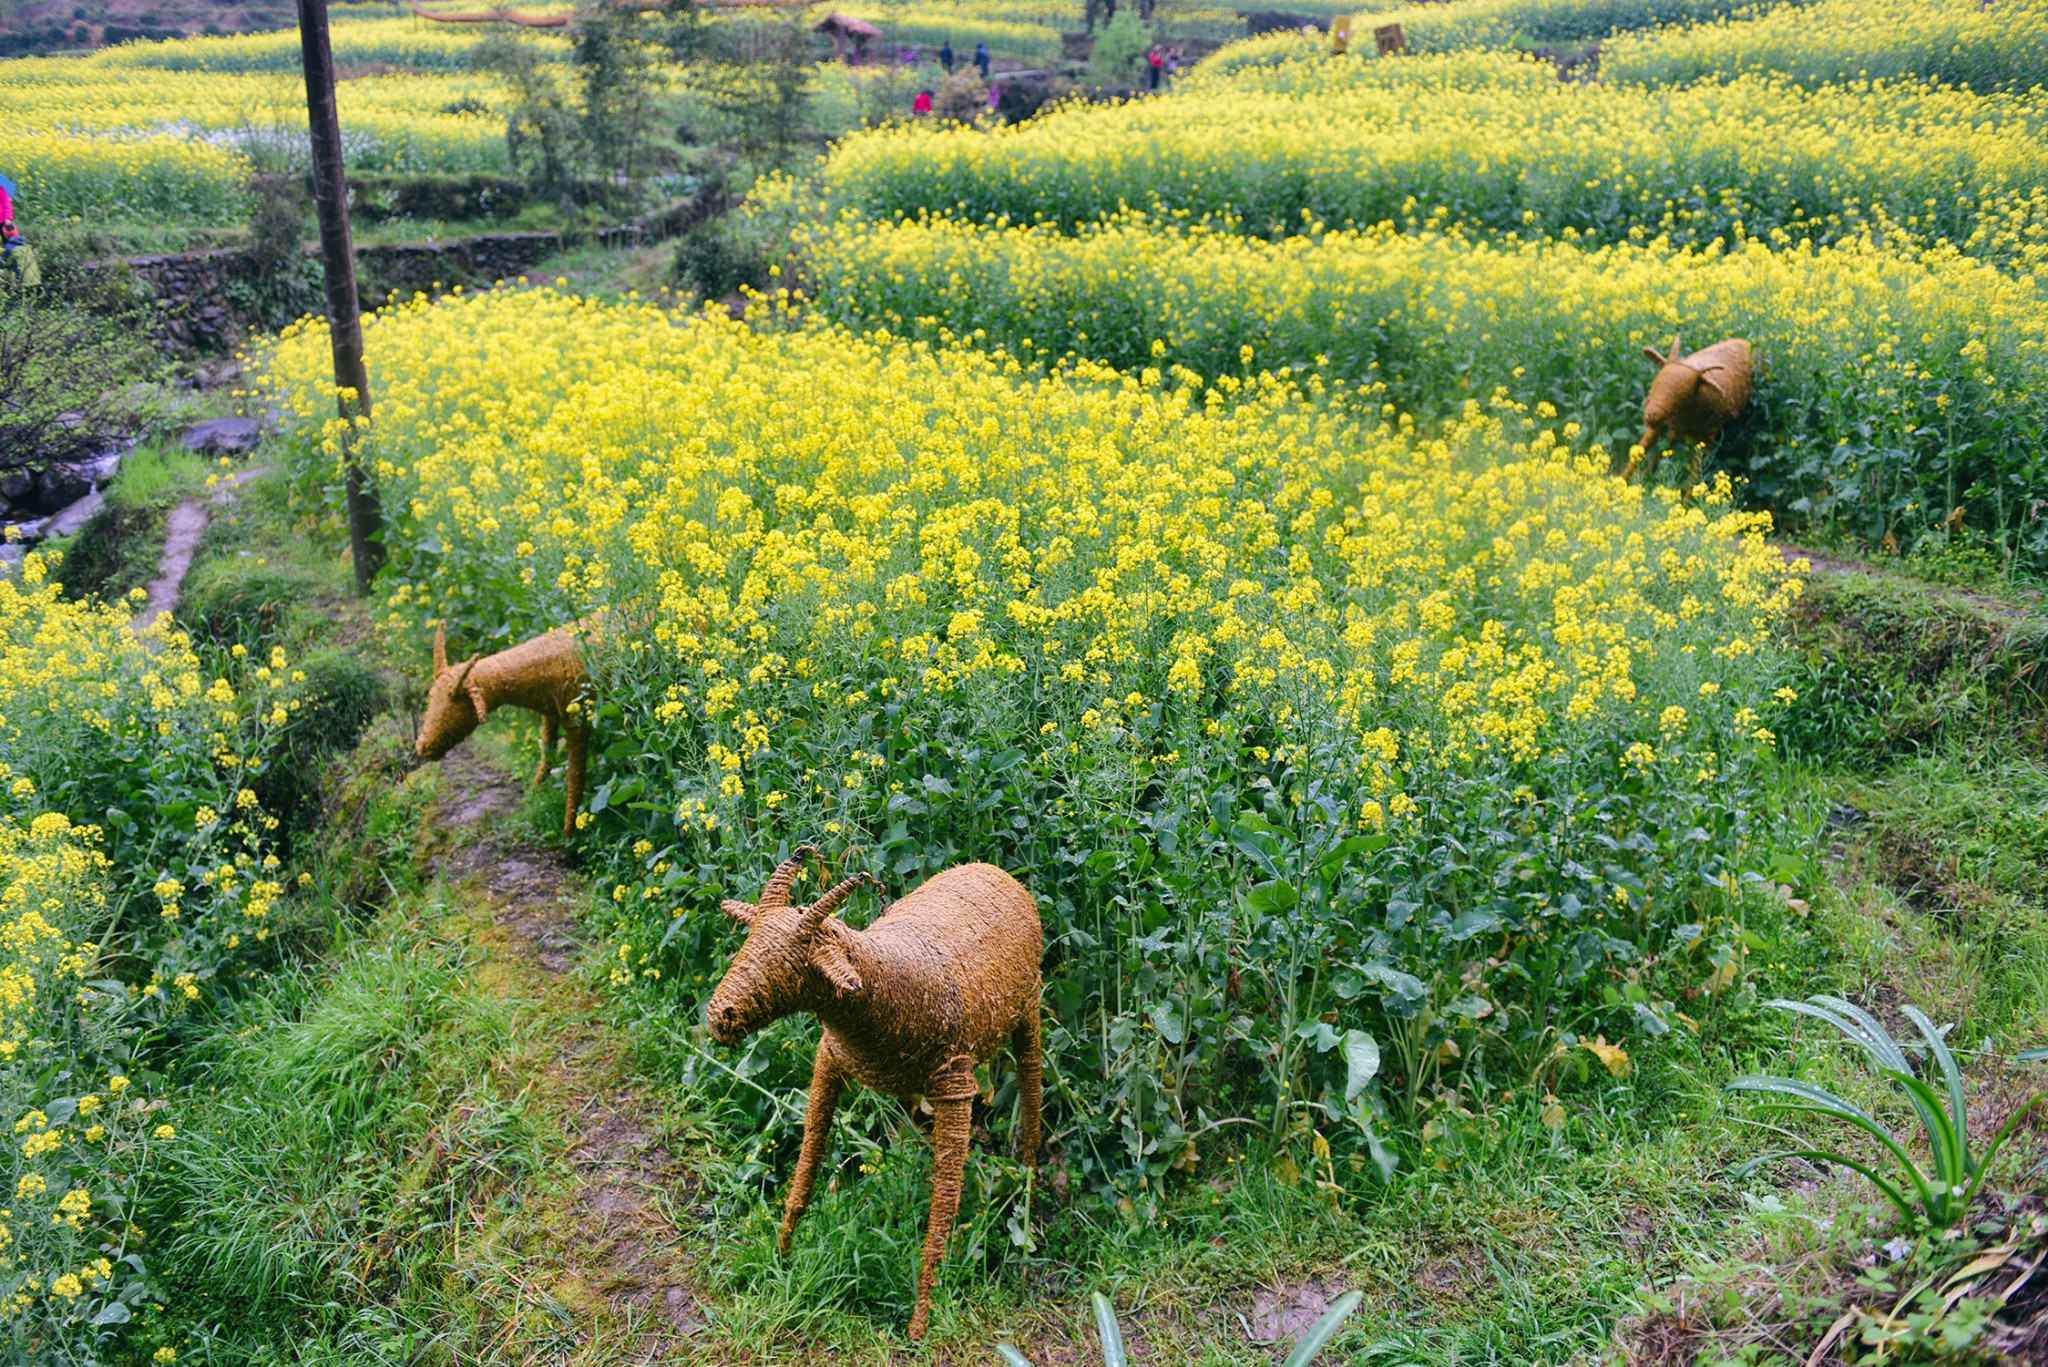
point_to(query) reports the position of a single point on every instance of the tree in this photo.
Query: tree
(1118, 49)
(543, 136)
(618, 62)
(66, 347)
(756, 70)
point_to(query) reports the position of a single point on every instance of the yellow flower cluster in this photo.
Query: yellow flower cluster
(84, 699)
(54, 1252)
(933, 24)
(1430, 27)
(357, 42)
(1962, 42)
(852, 518)
(49, 881)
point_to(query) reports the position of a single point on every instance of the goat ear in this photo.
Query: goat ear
(832, 956)
(469, 685)
(743, 912)
(440, 649)
(1651, 355)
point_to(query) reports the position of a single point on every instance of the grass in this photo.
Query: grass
(118, 547)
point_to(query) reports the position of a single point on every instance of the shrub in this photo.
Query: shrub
(338, 699)
(129, 731)
(66, 346)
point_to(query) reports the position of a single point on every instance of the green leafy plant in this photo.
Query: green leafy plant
(1941, 1192)
(1319, 1333)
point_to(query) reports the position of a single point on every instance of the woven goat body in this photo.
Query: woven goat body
(1694, 397)
(910, 1006)
(543, 675)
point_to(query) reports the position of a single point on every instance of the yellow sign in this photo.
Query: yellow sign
(1340, 33)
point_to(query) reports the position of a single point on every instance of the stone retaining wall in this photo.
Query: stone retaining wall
(208, 300)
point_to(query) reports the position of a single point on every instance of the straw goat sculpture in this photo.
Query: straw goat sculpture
(1694, 397)
(544, 675)
(910, 1006)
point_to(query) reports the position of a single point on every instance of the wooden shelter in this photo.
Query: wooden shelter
(850, 37)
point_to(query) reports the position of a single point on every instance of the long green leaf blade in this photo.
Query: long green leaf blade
(1942, 1140)
(1946, 1061)
(1818, 1097)
(1865, 1032)
(1009, 1354)
(1106, 1326)
(1823, 1101)
(1319, 1333)
(1884, 1048)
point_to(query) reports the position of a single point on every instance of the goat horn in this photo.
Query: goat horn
(743, 912)
(776, 892)
(440, 649)
(831, 901)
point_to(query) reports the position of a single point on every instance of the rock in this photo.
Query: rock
(224, 437)
(67, 521)
(16, 484)
(100, 469)
(61, 485)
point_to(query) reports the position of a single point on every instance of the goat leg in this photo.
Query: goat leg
(1024, 1044)
(827, 1082)
(576, 741)
(547, 748)
(949, 1162)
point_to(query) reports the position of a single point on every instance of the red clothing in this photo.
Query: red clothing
(6, 206)
(922, 104)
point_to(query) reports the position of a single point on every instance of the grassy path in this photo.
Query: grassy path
(601, 1243)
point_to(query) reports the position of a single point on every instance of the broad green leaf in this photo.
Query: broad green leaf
(1361, 1061)
(1406, 993)
(1471, 923)
(1166, 1019)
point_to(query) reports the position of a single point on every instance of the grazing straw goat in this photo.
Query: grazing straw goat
(1694, 397)
(545, 675)
(910, 1006)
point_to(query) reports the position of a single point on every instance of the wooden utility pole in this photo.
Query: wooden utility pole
(338, 266)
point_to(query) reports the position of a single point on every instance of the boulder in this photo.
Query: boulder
(68, 521)
(224, 437)
(62, 484)
(16, 485)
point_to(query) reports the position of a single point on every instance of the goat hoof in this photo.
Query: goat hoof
(918, 1323)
